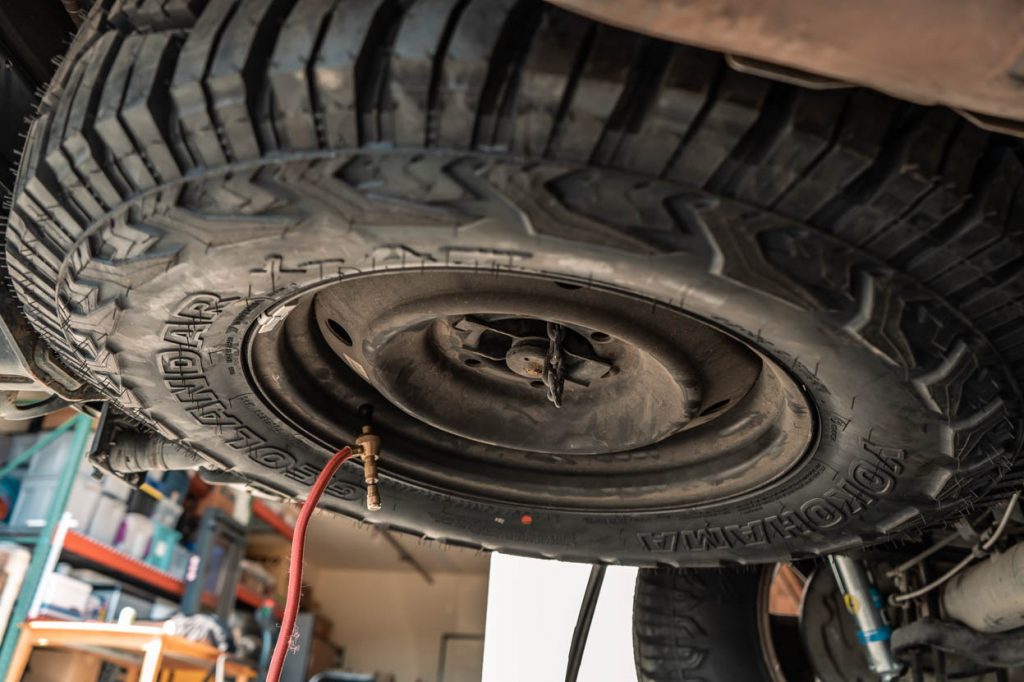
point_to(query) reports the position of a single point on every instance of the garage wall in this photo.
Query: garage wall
(532, 608)
(392, 621)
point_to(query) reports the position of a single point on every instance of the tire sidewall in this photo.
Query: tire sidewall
(881, 452)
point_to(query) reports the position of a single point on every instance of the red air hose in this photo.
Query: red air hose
(291, 607)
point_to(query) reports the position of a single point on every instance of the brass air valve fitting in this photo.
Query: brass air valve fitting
(368, 447)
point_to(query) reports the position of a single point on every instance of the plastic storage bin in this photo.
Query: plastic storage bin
(35, 499)
(167, 512)
(135, 535)
(33, 503)
(116, 488)
(161, 549)
(64, 595)
(106, 520)
(180, 556)
(108, 600)
(83, 501)
(51, 460)
(163, 609)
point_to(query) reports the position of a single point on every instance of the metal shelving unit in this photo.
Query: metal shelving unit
(54, 540)
(46, 541)
(122, 565)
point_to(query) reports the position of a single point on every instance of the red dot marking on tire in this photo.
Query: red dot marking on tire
(526, 519)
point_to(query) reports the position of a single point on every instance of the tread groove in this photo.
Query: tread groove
(433, 126)
(314, 98)
(638, 95)
(755, 144)
(497, 99)
(202, 132)
(864, 186)
(372, 73)
(698, 119)
(579, 63)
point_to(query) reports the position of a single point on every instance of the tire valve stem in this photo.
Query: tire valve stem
(368, 447)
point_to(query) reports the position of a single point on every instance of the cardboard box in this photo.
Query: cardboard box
(256, 578)
(322, 627)
(276, 566)
(55, 419)
(217, 498)
(323, 656)
(57, 665)
(14, 561)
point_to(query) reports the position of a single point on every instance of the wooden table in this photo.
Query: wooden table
(143, 650)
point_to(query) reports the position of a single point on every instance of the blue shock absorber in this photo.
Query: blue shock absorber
(865, 605)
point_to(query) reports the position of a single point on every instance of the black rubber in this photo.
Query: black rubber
(708, 625)
(195, 163)
(578, 645)
(698, 624)
(33, 36)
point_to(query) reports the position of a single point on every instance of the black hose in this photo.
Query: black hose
(998, 650)
(582, 631)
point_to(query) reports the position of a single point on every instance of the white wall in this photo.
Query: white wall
(392, 621)
(532, 609)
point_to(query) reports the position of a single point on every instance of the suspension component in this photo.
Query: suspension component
(989, 596)
(990, 649)
(864, 603)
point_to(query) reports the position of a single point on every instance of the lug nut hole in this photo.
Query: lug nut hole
(339, 332)
(711, 409)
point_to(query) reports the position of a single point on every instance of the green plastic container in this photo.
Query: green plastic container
(161, 547)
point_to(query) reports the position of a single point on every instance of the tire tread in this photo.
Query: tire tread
(154, 91)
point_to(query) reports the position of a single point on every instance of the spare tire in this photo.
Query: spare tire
(787, 321)
(711, 625)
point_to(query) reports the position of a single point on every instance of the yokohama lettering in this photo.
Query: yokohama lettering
(865, 482)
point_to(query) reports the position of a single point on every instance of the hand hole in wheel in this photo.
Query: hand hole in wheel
(472, 362)
(340, 332)
(600, 337)
(711, 409)
(566, 285)
(537, 384)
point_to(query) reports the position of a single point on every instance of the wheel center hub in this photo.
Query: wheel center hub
(495, 344)
(526, 358)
